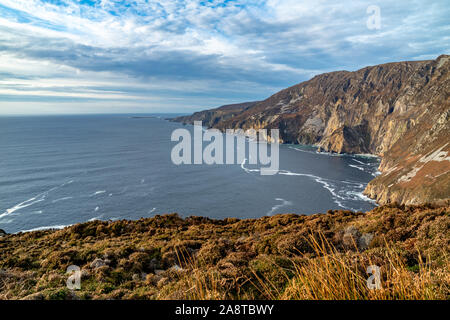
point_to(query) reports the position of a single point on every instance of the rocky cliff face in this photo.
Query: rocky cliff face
(399, 111)
(212, 117)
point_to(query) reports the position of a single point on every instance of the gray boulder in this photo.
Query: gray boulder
(364, 241)
(353, 239)
(97, 263)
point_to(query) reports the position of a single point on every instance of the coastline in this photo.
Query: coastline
(398, 111)
(77, 199)
(316, 149)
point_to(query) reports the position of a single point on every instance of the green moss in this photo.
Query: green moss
(60, 294)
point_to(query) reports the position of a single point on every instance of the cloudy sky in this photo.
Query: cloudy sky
(95, 56)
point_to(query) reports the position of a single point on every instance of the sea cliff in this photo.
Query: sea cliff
(399, 111)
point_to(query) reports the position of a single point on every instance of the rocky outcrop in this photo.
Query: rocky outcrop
(399, 111)
(211, 117)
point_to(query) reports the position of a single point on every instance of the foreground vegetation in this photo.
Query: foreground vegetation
(323, 256)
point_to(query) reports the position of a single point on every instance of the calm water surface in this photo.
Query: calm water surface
(60, 170)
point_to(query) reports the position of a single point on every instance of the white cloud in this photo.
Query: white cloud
(200, 51)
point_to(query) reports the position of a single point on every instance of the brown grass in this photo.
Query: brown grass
(323, 256)
(332, 275)
(337, 276)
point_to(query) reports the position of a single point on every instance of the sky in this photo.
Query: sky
(145, 56)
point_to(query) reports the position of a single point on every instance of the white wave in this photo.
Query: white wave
(365, 155)
(361, 196)
(325, 153)
(96, 218)
(360, 162)
(301, 150)
(326, 184)
(333, 154)
(61, 199)
(21, 205)
(283, 203)
(339, 194)
(246, 169)
(98, 192)
(151, 210)
(57, 227)
(320, 180)
(357, 167)
(39, 198)
(359, 184)
(96, 209)
(367, 168)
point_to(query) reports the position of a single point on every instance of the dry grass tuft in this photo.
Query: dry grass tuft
(322, 256)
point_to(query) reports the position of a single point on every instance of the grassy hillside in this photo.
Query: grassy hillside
(323, 256)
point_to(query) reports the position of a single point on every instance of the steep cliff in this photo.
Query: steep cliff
(399, 111)
(210, 118)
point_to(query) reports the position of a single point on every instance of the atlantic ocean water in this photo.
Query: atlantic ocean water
(61, 170)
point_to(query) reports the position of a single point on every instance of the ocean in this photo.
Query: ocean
(61, 170)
